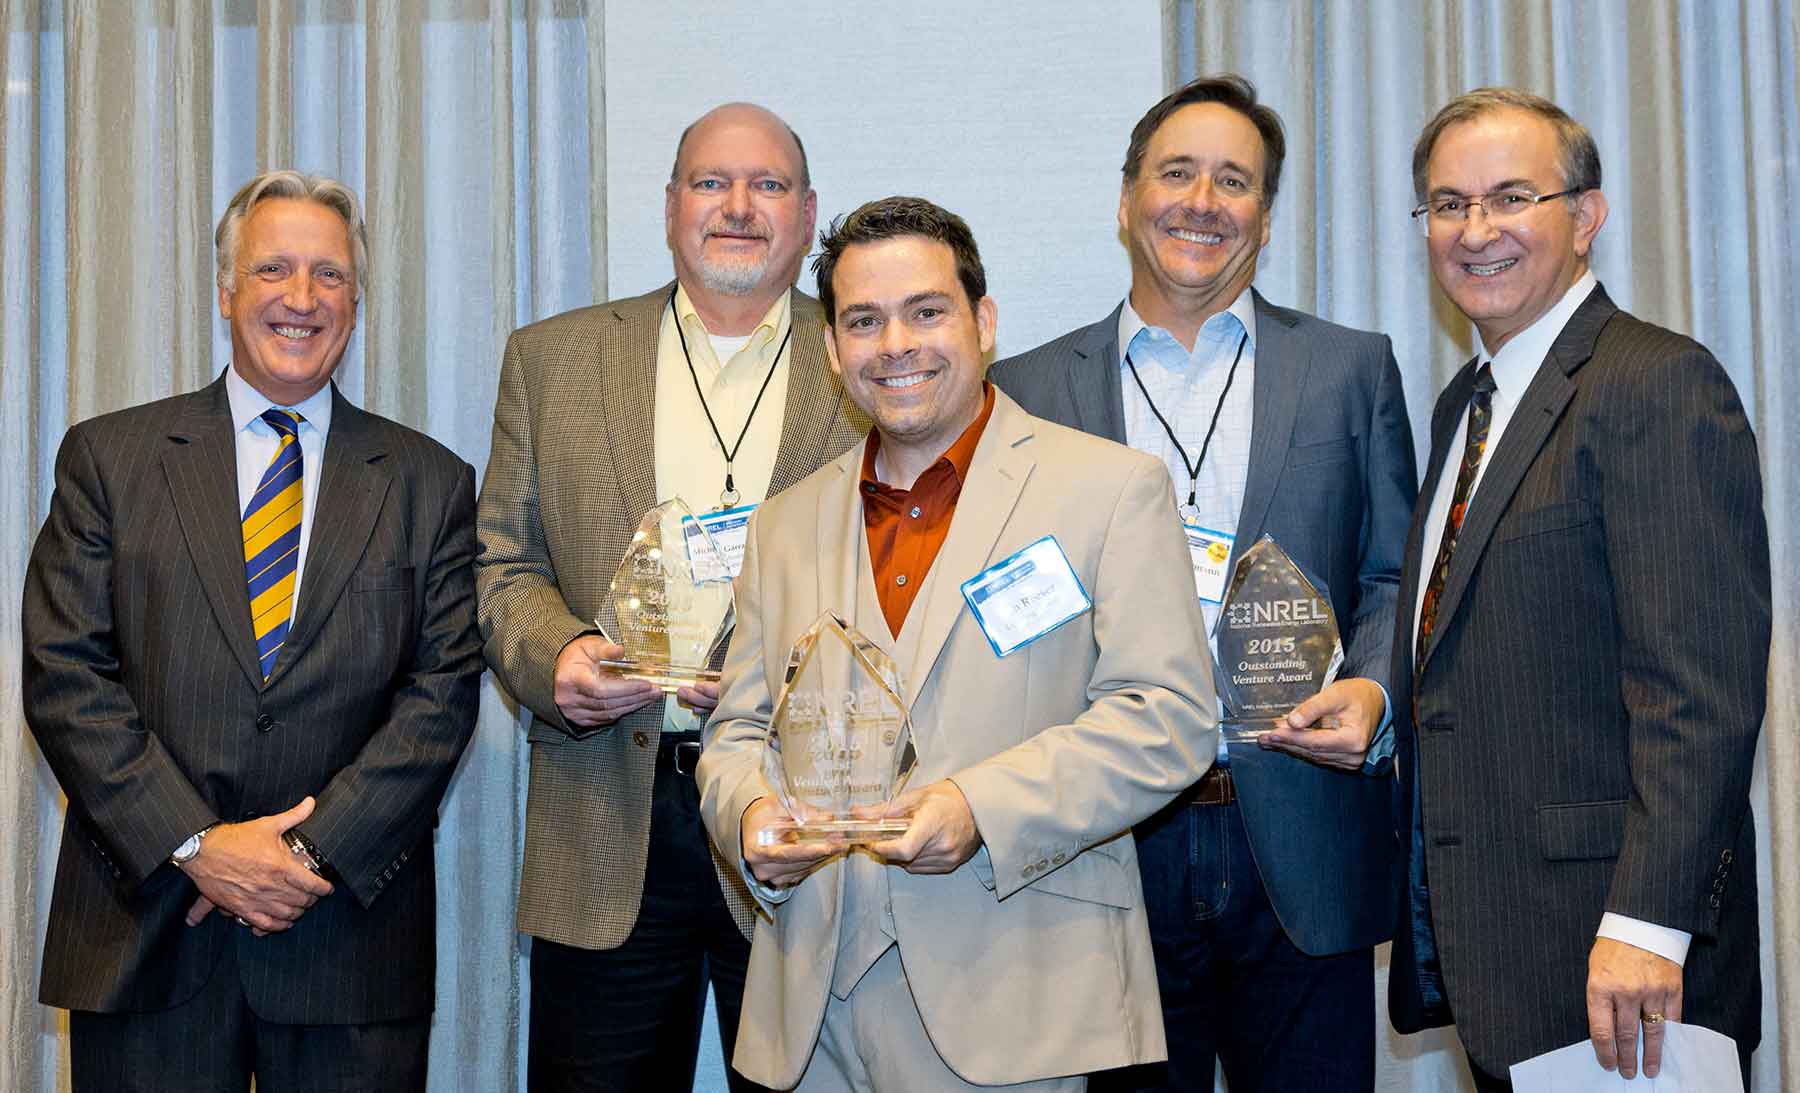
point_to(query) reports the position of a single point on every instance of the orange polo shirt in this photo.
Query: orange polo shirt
(906, 528)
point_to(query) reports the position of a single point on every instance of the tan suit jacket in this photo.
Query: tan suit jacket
(1032, 959)
(572, 470)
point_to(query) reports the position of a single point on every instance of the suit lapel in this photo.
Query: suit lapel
(1283, 364)
(1444, 418)
(353, 482)
(1539, 409)
(626, 356)
(997, 475)
(815, 400)
(840, 521)
(201, 467)
(1092, 374)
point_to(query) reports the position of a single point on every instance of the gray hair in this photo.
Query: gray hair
(1580, 156)
(299, 186)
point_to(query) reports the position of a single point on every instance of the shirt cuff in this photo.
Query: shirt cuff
(1381, 746)
(1667, 943)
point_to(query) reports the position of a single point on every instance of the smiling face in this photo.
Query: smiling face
(1505, 275)
(737, 213)
(292, 300)
(1194, 217)
(908, 345)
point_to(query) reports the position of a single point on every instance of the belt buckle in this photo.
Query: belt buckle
(682, 747)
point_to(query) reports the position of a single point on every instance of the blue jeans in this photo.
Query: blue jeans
(1234, 988)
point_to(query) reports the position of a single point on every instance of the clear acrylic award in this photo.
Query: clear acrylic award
(1278, 642)
(840, 741)
(670, 601)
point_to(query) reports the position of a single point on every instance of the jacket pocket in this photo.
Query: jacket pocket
(1306, 455)
(1092, 876)
(392, 578)
(1590, 831)
(1543, 520)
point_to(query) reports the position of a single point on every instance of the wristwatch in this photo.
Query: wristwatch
(190, 849)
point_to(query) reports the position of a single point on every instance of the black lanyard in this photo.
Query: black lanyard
(730, 496)
(1191, 510)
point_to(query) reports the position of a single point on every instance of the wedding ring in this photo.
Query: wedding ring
(1653, 1018)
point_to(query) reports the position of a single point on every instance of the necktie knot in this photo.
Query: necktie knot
(1484, 380)
(284, 422)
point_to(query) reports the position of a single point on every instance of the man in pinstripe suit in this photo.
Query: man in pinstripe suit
(714, 388)
(292, 788)
(1586, 615)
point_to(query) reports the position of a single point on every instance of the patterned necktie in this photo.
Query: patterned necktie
(1481, 407)
(272, 539)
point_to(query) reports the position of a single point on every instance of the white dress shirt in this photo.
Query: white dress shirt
(1513, 368)
(690, 464)
(256, 444)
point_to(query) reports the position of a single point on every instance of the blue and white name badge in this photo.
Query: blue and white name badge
(729, 529)
(1209, 550)
(1025, 596)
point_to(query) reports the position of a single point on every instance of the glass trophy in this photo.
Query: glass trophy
(840, 741)
(1277, 641)
(671, 601)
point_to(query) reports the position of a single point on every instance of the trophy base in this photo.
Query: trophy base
(1246, 730)
(818, 831)
(665, 677)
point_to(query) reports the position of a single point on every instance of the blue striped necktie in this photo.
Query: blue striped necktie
(272, 539)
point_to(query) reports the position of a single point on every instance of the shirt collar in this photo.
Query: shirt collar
(959, 455)
(1219, 326)
(773, 322)
(248, 404)
(1520, 358)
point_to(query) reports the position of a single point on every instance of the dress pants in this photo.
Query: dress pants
(629, 1019)
(214, 1042)
(1233, 987)
(875, 1042)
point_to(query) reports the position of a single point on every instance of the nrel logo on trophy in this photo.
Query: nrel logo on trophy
(1277, 612)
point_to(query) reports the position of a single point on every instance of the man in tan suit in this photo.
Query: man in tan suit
(1001, 939)
(714, 388)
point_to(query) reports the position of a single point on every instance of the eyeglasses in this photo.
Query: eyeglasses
(1501, 205)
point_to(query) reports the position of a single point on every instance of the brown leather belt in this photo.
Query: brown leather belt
(1214, 788)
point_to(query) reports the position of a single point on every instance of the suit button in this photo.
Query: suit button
(1725, 857)
(1715, 902)
(641, 739)
(1059, 857)
(264, 722)
(1028, 871)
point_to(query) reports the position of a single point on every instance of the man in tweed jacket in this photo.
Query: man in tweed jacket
(1588, 574)
(604, 412)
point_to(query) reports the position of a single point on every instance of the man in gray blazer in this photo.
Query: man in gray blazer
(1585, 613)
(713, 388)
(1269, 882)
(1000, 941)
(251, 660)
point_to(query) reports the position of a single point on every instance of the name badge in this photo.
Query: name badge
(1209, 550)
(1025, 596)
(729, 529)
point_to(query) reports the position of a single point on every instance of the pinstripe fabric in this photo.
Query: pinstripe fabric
(1590, 700)
(142, 686)
(1331, 478)
(272, 539)
(570, 473)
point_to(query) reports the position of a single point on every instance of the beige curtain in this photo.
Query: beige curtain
(1695, 109)
(466, 125)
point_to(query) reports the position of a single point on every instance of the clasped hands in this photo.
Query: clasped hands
(247, 871)
(940, 835)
